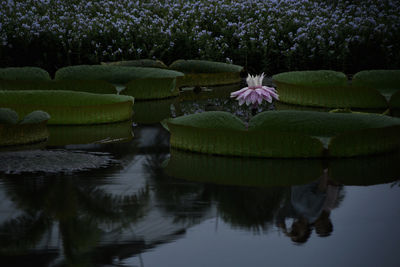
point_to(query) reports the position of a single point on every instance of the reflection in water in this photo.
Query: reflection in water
(75, 206)
(310, 206)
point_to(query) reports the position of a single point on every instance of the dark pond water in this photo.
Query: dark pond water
(82, 199)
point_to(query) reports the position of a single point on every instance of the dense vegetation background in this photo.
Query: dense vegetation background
(262, 35)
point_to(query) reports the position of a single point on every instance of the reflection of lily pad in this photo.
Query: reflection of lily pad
(51, 161)
(67, 107)
(203, 73)
(31, 129)
(61, 135)
(326, 89)
(150, 112)
(242, 171)
(286, 134)
(370, 170)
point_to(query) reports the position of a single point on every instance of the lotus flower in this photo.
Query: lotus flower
(255, 92)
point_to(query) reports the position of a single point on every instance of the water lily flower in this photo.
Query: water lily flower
(255, 92)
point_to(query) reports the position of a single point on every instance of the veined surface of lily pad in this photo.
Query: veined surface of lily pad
(325, 88)
(24, 73)
(52, 161)
(67, 107)
(205, 73)
(287, 134)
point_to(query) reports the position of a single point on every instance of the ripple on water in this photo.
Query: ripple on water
(52, 161)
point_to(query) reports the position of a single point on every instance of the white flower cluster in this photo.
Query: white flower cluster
(215, 29)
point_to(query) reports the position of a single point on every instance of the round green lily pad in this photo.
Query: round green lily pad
(286, 134)
(325, 88)
(24, 73)
(146, 63)
(206, 73)
(68, 107)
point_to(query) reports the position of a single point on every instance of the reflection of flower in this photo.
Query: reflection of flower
(255, 92)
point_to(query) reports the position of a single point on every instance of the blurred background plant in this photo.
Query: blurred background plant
(270, 36)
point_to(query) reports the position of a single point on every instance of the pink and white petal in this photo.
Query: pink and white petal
(236, 93)
(259, 100)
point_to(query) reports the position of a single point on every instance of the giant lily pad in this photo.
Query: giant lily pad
(387, 82)
(205, 73)
(146, 63)
(325, 88)
(286, 134)
(67, 107)
(139, 82)
(24, 73)
(30, 130)
(95, 86)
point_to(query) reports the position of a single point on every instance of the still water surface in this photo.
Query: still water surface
(77, 202)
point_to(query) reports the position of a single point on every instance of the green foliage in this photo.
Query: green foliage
(36, 116)
(203, 66)
(112, 74)
(8, 116)
(147, 63)
(24, 73)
